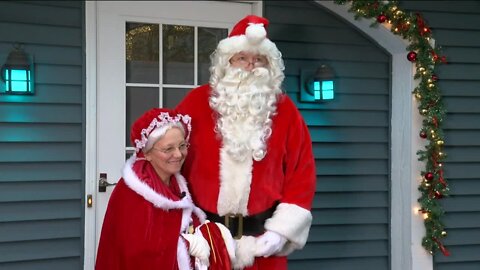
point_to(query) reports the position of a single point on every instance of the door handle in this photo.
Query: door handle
(103, 183)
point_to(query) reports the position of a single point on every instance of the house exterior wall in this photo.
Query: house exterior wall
(42, 139)
(456, 28)
(351, 135)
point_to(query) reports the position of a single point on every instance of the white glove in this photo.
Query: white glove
(244, 252)
(199, 247)
(268, 244)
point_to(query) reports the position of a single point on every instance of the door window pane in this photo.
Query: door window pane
(139, 100)
(178, 49)
(142, 52)
(173, 96)
(208, 39)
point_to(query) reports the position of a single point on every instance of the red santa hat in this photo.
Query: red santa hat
(153, 124)
(250, 35)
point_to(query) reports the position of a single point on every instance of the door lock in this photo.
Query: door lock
(103, 183)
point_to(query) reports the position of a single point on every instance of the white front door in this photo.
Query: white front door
(149, 54)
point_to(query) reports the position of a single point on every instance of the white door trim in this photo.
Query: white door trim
(407, 227)
(91, 130)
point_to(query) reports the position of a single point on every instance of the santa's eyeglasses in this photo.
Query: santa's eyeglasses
(245, 60)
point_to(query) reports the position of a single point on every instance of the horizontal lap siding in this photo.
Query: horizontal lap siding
(350, 135)
(456, 28)
(41, 139)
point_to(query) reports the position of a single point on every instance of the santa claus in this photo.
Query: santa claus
(250, 164)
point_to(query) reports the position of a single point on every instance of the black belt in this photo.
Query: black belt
(243, 225)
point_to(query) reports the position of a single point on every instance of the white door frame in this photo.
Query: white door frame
(407, 229)
(91, 149)
(91, 130)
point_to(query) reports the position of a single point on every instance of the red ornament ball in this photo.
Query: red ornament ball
(428, 176)
(381, 18)
(423, 134)
(438, 195)
(412, 56)
(434, 78)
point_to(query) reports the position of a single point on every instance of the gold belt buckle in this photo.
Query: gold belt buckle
(229, 217)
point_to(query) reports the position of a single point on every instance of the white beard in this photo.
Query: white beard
(245, 102)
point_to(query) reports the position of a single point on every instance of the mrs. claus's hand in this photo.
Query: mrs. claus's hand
(198, 247)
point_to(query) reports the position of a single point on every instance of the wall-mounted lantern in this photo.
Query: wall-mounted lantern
(17, 73)
(317, 86)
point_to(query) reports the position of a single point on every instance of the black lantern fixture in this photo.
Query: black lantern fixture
(319, 85)
(17, 73)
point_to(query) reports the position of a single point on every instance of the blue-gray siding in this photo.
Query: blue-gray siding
(351, 136)
(42, 139)
(456, 28)
(306, 35)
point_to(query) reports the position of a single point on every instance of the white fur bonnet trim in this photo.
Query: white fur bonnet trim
(161, 123)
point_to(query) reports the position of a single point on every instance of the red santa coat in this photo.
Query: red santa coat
(285, 175)
(144, 220)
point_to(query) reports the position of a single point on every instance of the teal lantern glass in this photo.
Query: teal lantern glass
(323, 83)
(17, 74)
(318, 85)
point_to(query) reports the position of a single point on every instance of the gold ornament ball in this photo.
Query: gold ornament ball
(418, 96)
(440, 142)
(444, 233)
(431, 85)
(424, 111)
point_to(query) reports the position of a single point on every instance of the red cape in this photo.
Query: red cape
(144, 220)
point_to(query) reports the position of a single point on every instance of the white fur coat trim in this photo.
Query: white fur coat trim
(183, 259)
(293, 222)
(235, 179)
(141, 188)
(158, 200)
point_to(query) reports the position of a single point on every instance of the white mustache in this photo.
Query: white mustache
(235, 74)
